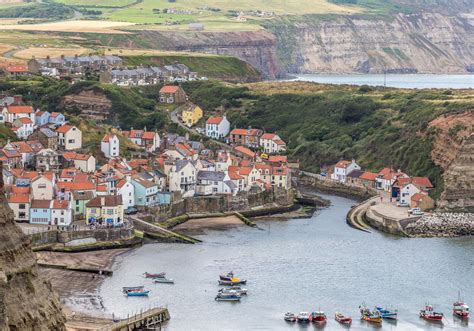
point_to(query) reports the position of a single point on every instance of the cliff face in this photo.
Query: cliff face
(258, 48)
(27, 302)
(406, 43)
(453, 150)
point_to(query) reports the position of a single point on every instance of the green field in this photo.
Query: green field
(93, 3)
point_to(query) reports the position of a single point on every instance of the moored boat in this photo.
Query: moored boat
(318, 317)
(159, 275)
(387, 313)
(302, 317)
(370, 316)
(342, 318)
(227, 276)
(429, 314)
(290, 317)
(125, 289)
(460, 308)
(228, 296)
(232, 282)
(140, 293)
(163, 280)
(238, 289)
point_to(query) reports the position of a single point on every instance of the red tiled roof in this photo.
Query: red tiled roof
(279, 142)
(245, 132)
(234, 173)
(148, 135)
(418, 196)
(54, 114)
(17, 69)
(245, 151)
(214, 120)
(107, 137)
(22, 147)
(279, 171)
(385, 171)
(268, 136)
(20, 190)
(245, 170)
(20, 109)
(422, 181)
(277, 159)
(107, 200)
(343, 164)
(64, 128)
(60, 204)
(19, 198)
(25, 120)
(169, 89)
(101, 188)
(76, 186)
(368, 176)
(76, 156)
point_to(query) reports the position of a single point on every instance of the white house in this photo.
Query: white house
(272, 143)
(84, 162)
(61, 212)
(407, 191)
(214, 182)
(42, 188)
(342, 169)
(110, 146)
(23, 127)
(149, 140)
(217, 127)
(127, 191)
(20, 205)
(70, 137)
(11, 113)
(182, 176)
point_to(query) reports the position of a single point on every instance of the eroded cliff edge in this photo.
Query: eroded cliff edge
(27, 302)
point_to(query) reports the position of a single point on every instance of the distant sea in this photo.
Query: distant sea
(393, 80)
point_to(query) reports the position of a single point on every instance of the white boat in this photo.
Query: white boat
(164, 280)
(238, 289)
(227, 296)
(303, 317)
(290, 317)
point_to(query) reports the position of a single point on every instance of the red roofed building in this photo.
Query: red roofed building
(217, 127)
(15, 71)
(422, 182)
(342, 169)
(272, 143)
(69, 137)
(20, 205)
(422, 201)
(244, 152)
(12, 113)
(368, 179)
(84, 162)
(246, 137)
(172, 94)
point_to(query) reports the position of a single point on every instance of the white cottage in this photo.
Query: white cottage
(110, 146)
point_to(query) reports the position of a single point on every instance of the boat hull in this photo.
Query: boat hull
(231, 283)
(462, 314)
(227, 299)
(372, 319)
(138, 294)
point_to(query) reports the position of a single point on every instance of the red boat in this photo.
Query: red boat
(160, 275)
(343, 319)
(460, 309)
(318, 317)
(429, 314)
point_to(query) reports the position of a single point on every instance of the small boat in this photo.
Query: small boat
(290, 317)
(388, 314)
(302, 317)
(429, 314)
(126, 289)
(140, 293)
(342, 319)
(232, 282)
(163, 280)
(238, 289)
(460, 309)
(160, 275)
(370, 316)
(318, 317)
(227, 277)
(227, 296)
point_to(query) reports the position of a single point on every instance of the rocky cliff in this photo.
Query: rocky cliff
(404, 43)
(27, 302)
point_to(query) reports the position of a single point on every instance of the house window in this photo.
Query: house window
(71, 141)
(21, 206)
(42, 186)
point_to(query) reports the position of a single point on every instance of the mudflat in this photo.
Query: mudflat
(199, 224)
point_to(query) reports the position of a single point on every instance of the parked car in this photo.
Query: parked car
(323, 174)
(415, 211)
(130, 211)
(402, 204)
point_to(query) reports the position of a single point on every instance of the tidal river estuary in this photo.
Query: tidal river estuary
(299, 265)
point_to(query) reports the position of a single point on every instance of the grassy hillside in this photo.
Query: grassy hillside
(322, 124)
(219, 67)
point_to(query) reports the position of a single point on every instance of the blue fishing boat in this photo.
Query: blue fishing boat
(138, 293)
(387, 313)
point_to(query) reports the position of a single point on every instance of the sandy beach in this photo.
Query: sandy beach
(198, 225)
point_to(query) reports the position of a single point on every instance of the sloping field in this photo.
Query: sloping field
(110, 3)
(51, 51)
(71, 26)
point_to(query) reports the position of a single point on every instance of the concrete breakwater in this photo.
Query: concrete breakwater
(442, 225)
